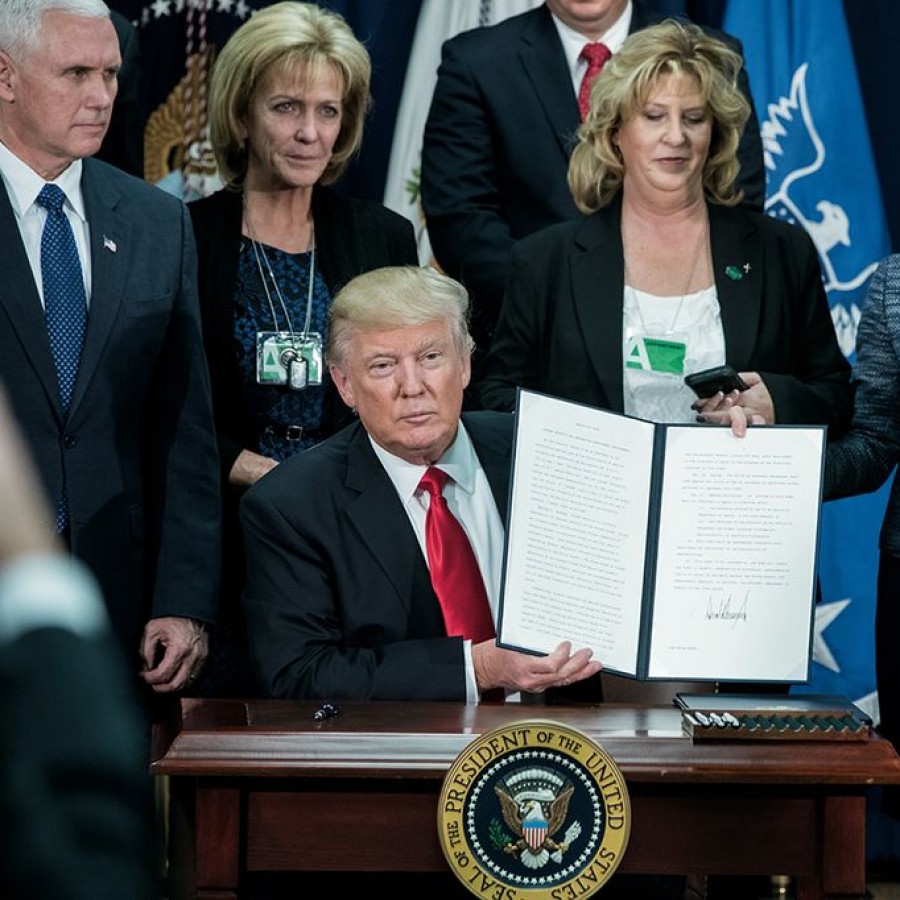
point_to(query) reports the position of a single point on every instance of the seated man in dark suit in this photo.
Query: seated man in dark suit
(75, 794)
(345, 596)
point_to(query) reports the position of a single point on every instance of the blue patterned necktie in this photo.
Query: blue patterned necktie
(64, 304)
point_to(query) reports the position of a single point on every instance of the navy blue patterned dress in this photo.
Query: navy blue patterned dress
(274, 407)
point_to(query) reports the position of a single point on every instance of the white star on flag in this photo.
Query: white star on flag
(826, 613)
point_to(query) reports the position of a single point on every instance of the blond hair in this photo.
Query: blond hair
(290, 37)
(395, 297)
(672, 47)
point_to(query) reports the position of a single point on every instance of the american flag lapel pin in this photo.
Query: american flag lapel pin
(109, 244)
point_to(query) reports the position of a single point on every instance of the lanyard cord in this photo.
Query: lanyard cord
(701, 240)
(259, 253)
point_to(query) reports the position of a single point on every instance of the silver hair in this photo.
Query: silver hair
(21, 20)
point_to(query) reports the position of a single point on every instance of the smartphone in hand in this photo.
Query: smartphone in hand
(710, 381)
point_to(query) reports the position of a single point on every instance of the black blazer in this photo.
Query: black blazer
(339, 602)
(496, 150)
(74, 785)
(137, 448)
(561, 327)
(352, 236)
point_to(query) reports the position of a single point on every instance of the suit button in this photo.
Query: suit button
(69, 441)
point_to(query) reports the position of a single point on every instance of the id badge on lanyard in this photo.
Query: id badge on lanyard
(662, 355)
(284, 357)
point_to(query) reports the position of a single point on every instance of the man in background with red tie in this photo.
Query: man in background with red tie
(498, 136)
(374, 559)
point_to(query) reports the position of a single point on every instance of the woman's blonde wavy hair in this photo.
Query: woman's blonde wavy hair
(672, 47)
(290, 37)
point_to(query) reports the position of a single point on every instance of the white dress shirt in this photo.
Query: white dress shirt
(573, 43)
(23, 185)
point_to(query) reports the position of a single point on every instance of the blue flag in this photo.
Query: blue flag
(820, 174)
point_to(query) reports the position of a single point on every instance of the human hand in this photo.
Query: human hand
(738, 409)
(26, 524)
(496, 667)
(184, 645)
(249, 467)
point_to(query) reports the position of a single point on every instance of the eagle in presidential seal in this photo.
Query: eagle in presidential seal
(537, 807)
(536, 814)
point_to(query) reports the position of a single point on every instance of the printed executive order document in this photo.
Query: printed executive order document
(674, 551)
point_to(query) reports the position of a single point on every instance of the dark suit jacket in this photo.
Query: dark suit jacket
(496, 149)
(339, 602)
(74, 788)
(561, 327)
(352, 237)
(137, 449)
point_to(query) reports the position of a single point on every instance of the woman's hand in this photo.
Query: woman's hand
(249, 467)
(738, 409)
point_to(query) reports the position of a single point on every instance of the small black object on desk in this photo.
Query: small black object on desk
(326, 711)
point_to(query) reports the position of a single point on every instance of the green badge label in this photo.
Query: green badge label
(657, 355)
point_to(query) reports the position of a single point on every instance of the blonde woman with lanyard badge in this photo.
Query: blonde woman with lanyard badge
(288, 101)
(667, 275)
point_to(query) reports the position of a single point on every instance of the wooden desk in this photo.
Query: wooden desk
(259, 786)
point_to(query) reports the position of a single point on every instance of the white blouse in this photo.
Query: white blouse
(694, 320)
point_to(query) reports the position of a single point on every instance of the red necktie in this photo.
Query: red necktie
(596, 56)
(454, 570)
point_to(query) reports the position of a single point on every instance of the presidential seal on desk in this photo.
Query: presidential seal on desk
(534, 809)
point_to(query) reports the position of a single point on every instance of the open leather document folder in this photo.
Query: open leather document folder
(676, 552)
